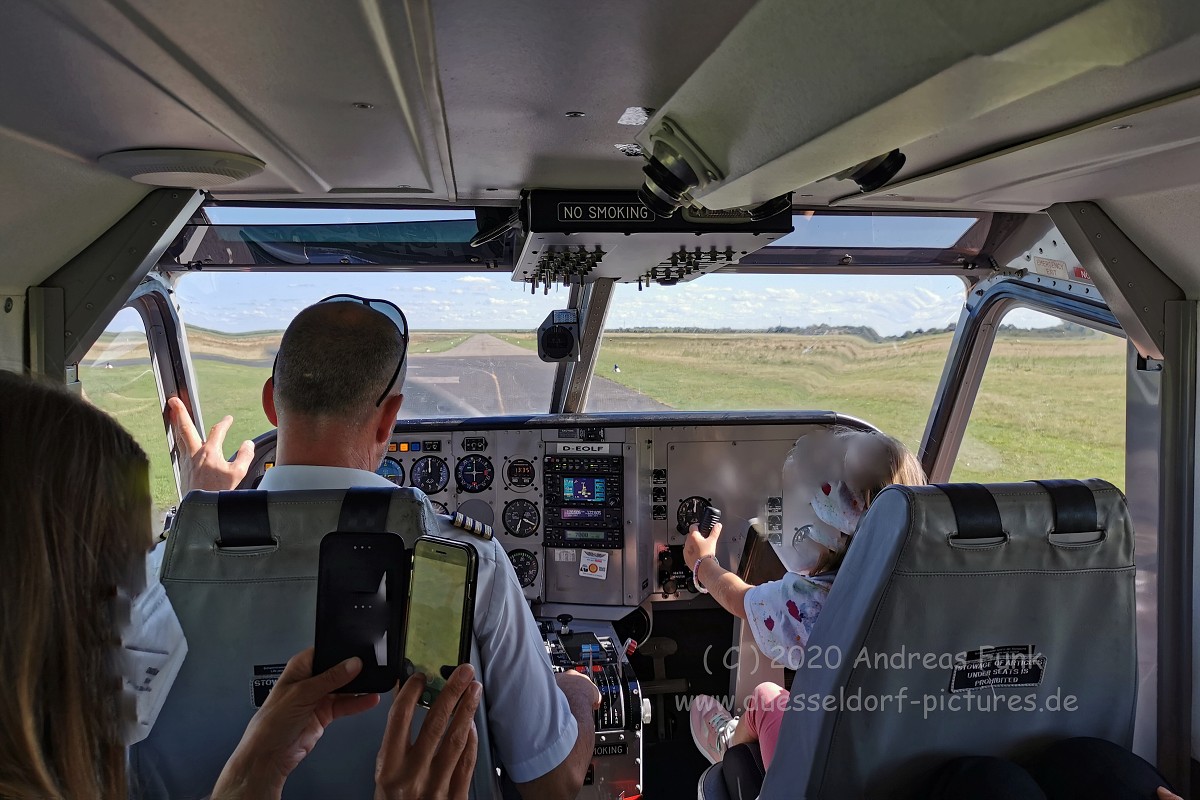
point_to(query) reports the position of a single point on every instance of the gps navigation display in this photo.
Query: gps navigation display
(583, 490)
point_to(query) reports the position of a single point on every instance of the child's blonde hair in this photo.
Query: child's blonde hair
(900, 467)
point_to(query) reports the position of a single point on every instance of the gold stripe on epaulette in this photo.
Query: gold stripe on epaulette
(472, 526)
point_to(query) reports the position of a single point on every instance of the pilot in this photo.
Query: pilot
(334, 395)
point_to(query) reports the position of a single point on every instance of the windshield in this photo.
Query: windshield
(868, 346)
(726, 341)
(469, 349)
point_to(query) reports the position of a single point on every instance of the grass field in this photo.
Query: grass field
(1023, 424)
(1048, 407)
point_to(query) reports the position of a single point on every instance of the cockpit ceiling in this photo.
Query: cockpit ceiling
(467, 102)
(464, 96)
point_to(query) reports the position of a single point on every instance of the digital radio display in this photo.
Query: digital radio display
(583, 536)
(583, 490)
(581, 513)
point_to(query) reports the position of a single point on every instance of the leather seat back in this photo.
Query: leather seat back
(241, 572)
(965, 620)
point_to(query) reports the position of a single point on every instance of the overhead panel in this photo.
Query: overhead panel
(868, 77)
(576, 238)
(1153, 147)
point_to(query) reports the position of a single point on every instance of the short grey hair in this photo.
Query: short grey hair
(335, 360)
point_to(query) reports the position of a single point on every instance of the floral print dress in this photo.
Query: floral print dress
(782, 614)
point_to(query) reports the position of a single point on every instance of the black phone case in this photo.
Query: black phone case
(352, 612)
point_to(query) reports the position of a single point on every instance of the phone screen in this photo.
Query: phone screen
(437, 606)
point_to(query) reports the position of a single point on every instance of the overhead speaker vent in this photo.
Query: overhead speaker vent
(185, 169)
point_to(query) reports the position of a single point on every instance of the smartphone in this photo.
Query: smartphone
(441, 602)
(362, 581)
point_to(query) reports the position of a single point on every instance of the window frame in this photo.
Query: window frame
(989, 302)
(170, 358)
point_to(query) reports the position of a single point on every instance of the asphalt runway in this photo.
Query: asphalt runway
(485, 376)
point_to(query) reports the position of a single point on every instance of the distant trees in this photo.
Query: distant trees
(1063, 330)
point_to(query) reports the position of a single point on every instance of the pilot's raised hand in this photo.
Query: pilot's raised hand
(202, 464)
(288, 726)
(440, 763)
(697, 545)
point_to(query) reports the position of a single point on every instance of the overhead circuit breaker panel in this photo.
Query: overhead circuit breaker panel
(577, 237)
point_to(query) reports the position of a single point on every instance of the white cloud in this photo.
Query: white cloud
(475, 279)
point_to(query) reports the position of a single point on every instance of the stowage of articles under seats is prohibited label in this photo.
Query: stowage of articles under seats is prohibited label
(265, 676)
(1001, 667)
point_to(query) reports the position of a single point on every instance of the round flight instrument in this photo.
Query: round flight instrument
(392, 470)
(519, 473)
(691, 511)
(474, 473)
(439, 507)
(521, 518)
(525, 565)
(430, 474)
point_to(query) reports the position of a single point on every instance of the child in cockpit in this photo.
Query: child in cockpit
(830, 478)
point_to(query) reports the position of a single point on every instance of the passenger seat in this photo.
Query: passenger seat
(241, 571)
(991, 620)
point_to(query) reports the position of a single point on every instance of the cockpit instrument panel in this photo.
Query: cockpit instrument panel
(594, 510)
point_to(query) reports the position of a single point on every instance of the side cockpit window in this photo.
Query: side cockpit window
(1051, 405)
(118, 376)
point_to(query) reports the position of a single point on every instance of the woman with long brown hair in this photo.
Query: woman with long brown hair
(75, 530)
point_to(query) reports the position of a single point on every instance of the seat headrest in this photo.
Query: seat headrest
(244, 523)
(978, 517)
(1020, 519)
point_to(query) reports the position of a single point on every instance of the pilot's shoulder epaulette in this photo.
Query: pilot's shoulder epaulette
(471, 526)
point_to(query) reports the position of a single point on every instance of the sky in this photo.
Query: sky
(239, 302)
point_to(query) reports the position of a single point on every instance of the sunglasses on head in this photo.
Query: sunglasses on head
(393, 313)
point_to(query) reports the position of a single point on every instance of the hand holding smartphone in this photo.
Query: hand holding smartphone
(400, 611)
(441, 605)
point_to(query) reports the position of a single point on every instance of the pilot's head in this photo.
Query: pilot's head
(829, 479)
(337, 383)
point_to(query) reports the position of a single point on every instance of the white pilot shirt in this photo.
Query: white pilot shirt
(531, 725)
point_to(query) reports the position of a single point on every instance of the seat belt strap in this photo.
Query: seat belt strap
(976, 514)
(1074, 506)
(243, 519)
(365, 509)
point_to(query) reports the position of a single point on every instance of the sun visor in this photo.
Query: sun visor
(865, 78)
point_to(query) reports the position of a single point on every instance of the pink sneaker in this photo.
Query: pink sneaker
(712, 727)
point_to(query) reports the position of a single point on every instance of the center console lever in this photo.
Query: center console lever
(564, 622)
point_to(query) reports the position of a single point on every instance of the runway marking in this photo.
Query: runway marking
(499, 396)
